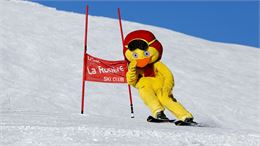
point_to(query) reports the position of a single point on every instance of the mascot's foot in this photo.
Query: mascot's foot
(161, 116)
(186, 122)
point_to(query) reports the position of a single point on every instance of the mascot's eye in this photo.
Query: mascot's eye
(146, 53)
(135, 55)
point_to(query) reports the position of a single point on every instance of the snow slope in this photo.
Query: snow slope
(41, 53)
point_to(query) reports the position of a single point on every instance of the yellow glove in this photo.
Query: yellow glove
(131, 75)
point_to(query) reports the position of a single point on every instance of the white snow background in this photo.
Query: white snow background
(41, 53)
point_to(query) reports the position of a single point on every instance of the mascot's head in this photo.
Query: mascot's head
(142, 46)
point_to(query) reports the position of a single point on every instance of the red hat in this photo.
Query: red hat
(145, 35)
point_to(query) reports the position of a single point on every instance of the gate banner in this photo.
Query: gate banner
(99, 70)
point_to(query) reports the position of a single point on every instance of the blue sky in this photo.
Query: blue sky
(230, 22)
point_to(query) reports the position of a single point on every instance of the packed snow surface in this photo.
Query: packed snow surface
(41, 52)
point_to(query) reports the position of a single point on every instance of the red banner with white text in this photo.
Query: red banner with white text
(100, 70)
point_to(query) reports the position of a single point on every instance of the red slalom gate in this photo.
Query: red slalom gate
(100, 70)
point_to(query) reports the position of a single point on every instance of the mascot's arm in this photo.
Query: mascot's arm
(168, 77)
(131, 75)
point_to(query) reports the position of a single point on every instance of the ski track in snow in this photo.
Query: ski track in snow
(40, 84)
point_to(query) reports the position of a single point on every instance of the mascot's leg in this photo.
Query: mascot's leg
(150, 99)
(148, 96)
(174, 107)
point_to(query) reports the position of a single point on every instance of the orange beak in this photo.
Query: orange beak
(142, 62)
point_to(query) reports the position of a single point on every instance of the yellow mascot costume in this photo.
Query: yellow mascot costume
(150, 76)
